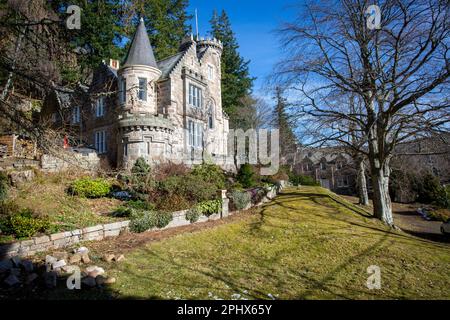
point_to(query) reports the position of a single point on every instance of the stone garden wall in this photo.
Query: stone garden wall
(68, 238)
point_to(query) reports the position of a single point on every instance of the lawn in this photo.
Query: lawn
(306, 244)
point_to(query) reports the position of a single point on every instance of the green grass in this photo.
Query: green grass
(303, 245)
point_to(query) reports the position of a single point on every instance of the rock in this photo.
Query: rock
(76, 258)
(5, 265)
(50, 279)
(119, 258)
(12, 280)
(59, 264)
(85, 258)
(81, 250)
(31, 277)
(14, 271)
(70, 269)
(89, 281)
(27, 265)
(110, 280)
(16, 261)
(19, 177)
(95, 271)
(100, 280)
(109, 257)
(62, 255)
(50, 260)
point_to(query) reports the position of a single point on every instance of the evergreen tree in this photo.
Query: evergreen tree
(99, 37)
(166, 22)
(288, 140)
(236, 80)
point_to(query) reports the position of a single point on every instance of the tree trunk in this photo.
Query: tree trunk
(382, 208)
(362, 183)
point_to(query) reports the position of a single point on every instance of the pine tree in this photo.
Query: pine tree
(236, 80)
(166, 22)
(98, 39)
(288, 140)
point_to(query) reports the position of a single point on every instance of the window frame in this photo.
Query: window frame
(100, 141)
(76, 115)
(100, 107)
(142, 89)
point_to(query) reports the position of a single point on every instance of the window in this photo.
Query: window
(125, 149)
(211, 117)
(339, 165)
(306, 167)
(142, 94)
(195, 96)
(100, 107)
(76, 114)
(323, 166)
(342, 181)
(195, 134)
(100, 141)
(210, 72)
(123, 90)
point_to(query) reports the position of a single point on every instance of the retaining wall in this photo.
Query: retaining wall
(99, 232)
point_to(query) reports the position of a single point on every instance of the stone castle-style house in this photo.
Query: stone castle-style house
(160, 110)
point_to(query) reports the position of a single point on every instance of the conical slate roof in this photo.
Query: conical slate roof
(141, 52)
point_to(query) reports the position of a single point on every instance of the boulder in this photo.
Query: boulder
(50, 279)
(59, 264)
(16, 261)
(110, 280)
(119, 258)
(89, 281)
(12, 280)
(85, 258)
(31, 277)
(100, 280)
(95, 271)
(27, 265)
(81, 250)
(76, 258)
(109, 257)
(18, 177)
(50, 260)
(70, 269)
(5, 265)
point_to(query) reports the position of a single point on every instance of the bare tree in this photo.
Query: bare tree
(399, 72)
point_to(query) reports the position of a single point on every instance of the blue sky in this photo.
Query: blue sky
(254, 23)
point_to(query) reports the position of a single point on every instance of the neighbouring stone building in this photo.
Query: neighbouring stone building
(333, 169)
(160, 110)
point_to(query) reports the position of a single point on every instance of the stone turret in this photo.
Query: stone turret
(138, 75)
(142, 132)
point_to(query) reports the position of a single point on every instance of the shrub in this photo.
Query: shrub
(122, 212)
(140, 205)
(140, 181)
(191, 187)
(140, 167)
(145, 220)
(90, 188)
(173, 203)
(245, 176)
(240, 199)
(193, 214)
(429, 190)
(3, 186)
(303, 180)
(169, 169)
(210, 207)
(24, 225)
(210, 173)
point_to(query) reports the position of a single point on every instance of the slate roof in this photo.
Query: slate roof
(141, 52)
(166, 65)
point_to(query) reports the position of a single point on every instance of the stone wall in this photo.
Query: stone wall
(62, 239)
(88, 161)
(68, 238)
